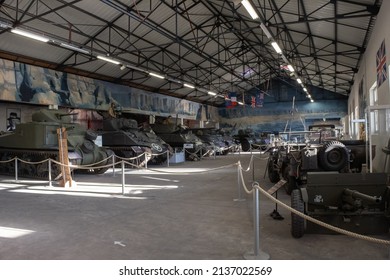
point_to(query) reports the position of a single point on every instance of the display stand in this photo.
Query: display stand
(177, 156)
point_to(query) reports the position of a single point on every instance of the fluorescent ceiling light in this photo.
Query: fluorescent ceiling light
(108, 59)
(299, 81)
(30, 35)
(290, 68)
(74, 48)
(136, 68)
(211, 93)
(241, 103)
(311, 100)
(305, 89)
(265, 30)
(276, 47)
(249, 9)
(188, 85)
(156, 75)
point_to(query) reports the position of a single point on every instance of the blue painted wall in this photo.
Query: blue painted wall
(285, 106)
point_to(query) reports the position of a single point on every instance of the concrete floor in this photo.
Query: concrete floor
(185, 211)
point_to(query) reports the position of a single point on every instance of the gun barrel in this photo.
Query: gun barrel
(366, 197)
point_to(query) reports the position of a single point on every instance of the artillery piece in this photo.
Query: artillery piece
(358, 202)
(37, 141)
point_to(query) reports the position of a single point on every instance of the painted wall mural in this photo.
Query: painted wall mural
(283, 107)
(21, 82)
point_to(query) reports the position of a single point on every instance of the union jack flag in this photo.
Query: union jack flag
(381, 73)
(253, 101)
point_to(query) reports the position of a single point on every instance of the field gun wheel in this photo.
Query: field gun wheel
(297, 223)
(333, 156)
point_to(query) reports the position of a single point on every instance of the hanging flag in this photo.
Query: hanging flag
(231, 100)
(381, 73)
(260, 99)
(253, 101)
(228, 103)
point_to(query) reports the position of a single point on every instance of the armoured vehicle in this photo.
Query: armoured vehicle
(123, 136)
(249, 140)
(322, 151)
(358, 202)
(37, 141)
(212, 139)
(179, 137)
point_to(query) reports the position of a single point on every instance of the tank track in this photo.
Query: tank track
(38, 170)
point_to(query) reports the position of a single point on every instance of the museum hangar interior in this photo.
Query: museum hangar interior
(152, 130)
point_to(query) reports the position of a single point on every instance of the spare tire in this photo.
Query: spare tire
(333, 156)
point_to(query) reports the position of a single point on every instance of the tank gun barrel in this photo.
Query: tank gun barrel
(65, 114)
(358, 195)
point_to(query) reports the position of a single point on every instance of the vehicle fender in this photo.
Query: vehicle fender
(305, 195)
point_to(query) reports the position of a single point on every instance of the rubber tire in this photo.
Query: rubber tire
(298, 225)
(333, 156)
(273, 174)
(291, 184)
(245, 145)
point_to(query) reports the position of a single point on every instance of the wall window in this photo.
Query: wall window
(374, 115)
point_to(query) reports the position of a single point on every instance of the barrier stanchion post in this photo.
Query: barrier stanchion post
(167, 158)
(253, 169)
(16, 169)
(123, 176)
(113, 165)
(239, 184)
(215, 152)
(49, 169)
(146, 160)
(257, 254)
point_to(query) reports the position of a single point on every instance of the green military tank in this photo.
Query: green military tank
(123, 136)
(36, 141)
(181, 138)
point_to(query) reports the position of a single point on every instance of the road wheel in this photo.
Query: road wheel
(297, 222)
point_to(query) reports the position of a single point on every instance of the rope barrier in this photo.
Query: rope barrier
(323, 224)
(302, 215)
